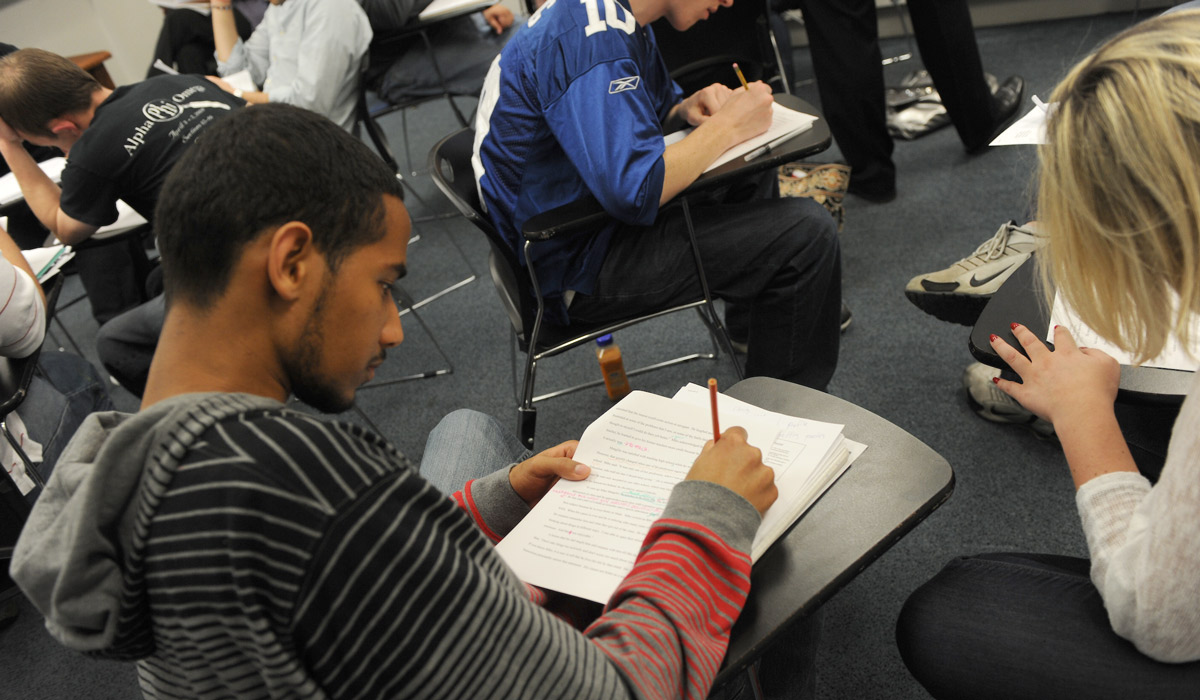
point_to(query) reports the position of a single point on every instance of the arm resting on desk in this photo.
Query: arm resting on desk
(42, 194)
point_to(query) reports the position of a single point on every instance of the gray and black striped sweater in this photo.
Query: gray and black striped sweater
(238, 549)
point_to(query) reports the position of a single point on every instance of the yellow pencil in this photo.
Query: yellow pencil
(740, 76)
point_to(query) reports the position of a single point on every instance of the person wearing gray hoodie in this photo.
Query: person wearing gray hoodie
(238, 548)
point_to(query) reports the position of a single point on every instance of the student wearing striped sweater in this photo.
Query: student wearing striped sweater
(237, 548)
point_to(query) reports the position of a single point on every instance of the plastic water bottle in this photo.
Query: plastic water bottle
(612, 367)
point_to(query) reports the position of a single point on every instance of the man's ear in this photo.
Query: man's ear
(293, 262)
(63, 126)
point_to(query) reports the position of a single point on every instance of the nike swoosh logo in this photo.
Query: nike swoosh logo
(976, 282)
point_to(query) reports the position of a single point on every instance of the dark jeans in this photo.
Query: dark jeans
(777, 258)
(64, 391)
(1017, 626)
(186, 41)
(126, 343)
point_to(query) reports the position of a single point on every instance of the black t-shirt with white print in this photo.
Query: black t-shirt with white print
(136, 135)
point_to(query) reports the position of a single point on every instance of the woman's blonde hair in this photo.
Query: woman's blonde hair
(1119, 188)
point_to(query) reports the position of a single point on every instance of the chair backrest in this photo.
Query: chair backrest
(364, 118)
(704, 54)
(450, 167)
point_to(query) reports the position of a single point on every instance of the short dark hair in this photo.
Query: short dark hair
(37, 86)
(253, 171)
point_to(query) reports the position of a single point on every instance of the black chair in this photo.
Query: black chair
(15, 378)
(368, 110)
(517, 286)
(704, 54)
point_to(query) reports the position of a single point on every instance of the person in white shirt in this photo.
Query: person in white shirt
(66, 387)
(1119, 200)
(307, 53)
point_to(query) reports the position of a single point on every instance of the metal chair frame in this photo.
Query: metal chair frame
(520, 292)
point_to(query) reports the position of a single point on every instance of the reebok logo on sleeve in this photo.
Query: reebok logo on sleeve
(624, 84)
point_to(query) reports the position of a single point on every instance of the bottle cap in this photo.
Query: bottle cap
(604, 340)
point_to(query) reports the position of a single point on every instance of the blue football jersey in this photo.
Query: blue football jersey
(573, 105)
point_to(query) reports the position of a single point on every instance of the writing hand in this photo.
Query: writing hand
(532, 478)
(704, 103)
(747, 112)
(737, 465)
(1059, 385)
(498, 18)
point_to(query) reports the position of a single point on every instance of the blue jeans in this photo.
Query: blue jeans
(468, 444)
(1017, 626)
(63, 392)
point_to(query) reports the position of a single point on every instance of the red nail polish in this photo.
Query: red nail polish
(993, 337)
(995, 380)
(1014, 326)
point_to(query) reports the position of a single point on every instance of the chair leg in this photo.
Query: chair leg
(755, 685)
(526, 425)
(779, 62)
(715, 319)
(457, 285)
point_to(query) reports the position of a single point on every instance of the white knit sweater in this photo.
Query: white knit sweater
(1145, 545)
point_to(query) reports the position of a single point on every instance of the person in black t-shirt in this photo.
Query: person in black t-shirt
(23, 226)
(120, 144)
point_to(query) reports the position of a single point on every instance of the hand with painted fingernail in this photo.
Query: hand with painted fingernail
(1062, 384)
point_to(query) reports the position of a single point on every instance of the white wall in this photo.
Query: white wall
(126, 28)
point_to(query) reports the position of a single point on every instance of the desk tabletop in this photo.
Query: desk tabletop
(1019, 301)
(891, 488)
(800, 146)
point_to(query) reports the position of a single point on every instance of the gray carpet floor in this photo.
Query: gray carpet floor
(1013, 491)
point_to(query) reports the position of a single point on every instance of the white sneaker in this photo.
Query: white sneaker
(959, 292)
(991, 403)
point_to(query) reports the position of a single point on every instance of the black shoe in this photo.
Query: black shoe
(875, 195)
(1005, 103)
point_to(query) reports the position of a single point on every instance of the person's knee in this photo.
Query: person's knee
(464, 422)
(812, 231)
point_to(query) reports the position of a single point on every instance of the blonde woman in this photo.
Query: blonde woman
(1119, 195)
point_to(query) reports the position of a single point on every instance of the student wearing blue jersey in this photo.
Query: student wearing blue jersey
(577, 104)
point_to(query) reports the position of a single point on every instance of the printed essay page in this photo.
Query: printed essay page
(784, 121)
(584, 536)
(807, 456)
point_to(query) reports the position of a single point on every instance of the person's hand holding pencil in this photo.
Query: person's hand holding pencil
(729, 461)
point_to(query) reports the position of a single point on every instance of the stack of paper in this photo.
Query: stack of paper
(46, 262)
(584, 536)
